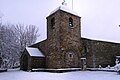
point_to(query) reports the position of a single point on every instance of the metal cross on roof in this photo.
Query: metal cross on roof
(64, 3)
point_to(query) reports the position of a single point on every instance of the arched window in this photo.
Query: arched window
(53, 23)
(70, 22)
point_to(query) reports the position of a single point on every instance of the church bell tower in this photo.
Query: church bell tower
(64, 38)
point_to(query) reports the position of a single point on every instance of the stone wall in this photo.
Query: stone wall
(53, 56)
(100, 52)
(63, 40)
(38, 62)
(70, 40)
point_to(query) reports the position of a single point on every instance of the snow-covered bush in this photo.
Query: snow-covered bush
(117, 66)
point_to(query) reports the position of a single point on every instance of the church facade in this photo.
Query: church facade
(64, 46)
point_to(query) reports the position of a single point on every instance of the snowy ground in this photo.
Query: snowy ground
(76, 75)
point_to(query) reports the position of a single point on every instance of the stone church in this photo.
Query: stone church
(64, 46)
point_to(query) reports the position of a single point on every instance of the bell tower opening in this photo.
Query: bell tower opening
(70, 22)
(53, 23)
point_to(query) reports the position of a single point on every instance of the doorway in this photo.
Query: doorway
(25, 62)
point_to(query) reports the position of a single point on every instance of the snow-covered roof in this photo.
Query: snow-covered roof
(34, 52)
(64, 8)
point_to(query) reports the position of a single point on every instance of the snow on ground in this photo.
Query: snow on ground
(76, 75)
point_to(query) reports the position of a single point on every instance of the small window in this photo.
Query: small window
(86, 49)
(70, 22)
(70, 55)
(53, 23)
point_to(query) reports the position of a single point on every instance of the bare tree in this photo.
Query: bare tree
(26, 35)
(13, 40)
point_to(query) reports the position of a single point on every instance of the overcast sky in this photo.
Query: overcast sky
(99, 18)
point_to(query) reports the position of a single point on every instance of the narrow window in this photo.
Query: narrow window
(53, 23)
(70, 55)
(86, 49)
(70, 22)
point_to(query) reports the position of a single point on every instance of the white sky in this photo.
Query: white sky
(99, 18)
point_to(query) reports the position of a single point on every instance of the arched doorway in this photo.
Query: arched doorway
(1, 62)
(25, 62)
